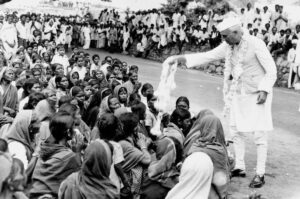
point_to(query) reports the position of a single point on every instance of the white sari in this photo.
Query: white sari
(195, 178)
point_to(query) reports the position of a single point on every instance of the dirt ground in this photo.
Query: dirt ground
(282, 170)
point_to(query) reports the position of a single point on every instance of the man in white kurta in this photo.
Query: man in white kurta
(248, 95)
(9, 38)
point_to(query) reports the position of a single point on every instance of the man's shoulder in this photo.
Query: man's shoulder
(255, 39)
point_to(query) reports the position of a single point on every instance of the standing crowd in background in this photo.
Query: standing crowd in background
(274, 28)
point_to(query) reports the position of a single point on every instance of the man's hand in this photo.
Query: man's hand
(262, 97)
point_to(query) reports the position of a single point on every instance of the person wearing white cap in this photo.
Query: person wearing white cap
(249, 76)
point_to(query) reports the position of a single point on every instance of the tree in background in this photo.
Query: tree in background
(4, 1)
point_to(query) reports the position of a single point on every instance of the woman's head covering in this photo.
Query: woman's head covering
(212, 142)
(74, 81)
(19, 130)
(195, 130)
(92, 181)
(75, 90)
(102, 90)
(117, 89)
(44, 110)
(195, 178)
(104, 107)
(211, 130)
(5, 168)
(104, 82)
(4, 70)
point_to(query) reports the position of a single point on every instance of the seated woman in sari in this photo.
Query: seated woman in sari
(109, 128)
(92, 111)
(163, 172)
(55, 156)
(195, 178)
(109, 104)
(132, 85)
(92, 181)
(180, 122)
(195, 130)
(99, 75)
(211, 141)
(80, 127)
(30, 86)
(135, 150)
(21, 135)
(8, 91)
(58, 70)
(12, 177)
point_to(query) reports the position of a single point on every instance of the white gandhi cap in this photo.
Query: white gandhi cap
(228, 23)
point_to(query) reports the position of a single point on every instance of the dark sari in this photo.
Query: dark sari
(92, 181)
(56, 163)
(195, 130)
(211, 141)
(163, 172)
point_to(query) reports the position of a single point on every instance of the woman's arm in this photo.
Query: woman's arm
(120, 173)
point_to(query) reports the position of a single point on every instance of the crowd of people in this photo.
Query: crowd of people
(78, 125)
(274, 28)
(152, 30)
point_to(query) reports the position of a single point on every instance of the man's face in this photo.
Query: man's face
(37, 75)
(186, 125)
(1, 19)
(59, 70)
(231, 37)
(152, 102)
(281, 33)
(10, 19)
(35, 49)
(29, 50)
(15, 20)
(134, 77)
(36, 88)
(96, 60)
(80, 62)
(249, 5)
(23, 19)
(61, 51)
(116, 70)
